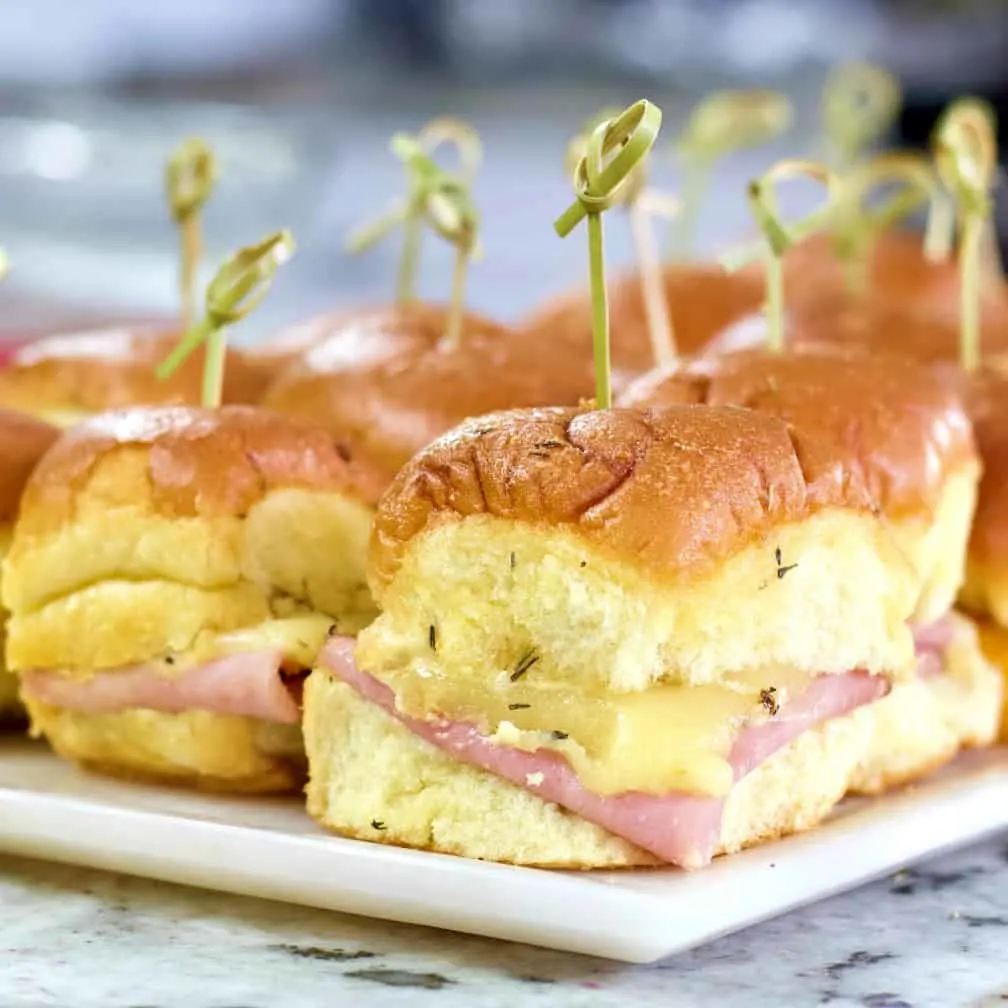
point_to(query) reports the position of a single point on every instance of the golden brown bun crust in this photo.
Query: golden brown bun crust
(897, 268)
(380, 381)
(672, 491)
(702, 300)
(114, 368)
(23, 441)
(900, 424)
(201, 462)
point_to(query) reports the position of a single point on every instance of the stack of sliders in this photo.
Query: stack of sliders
(635, 636)
(174, 571)
(23, 440)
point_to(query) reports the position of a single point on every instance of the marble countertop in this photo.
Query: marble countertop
(932, 937)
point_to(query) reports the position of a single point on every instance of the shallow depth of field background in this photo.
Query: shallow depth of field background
(299, 98)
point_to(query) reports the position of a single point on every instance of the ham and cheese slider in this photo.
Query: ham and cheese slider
(68, 378)
(23, 440)
(385, 382)
(905, 430)
(172, 575)
(607, 638)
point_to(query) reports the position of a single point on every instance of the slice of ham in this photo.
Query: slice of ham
(682, 829)
(248, 685)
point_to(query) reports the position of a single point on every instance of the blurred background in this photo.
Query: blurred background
(299, 98)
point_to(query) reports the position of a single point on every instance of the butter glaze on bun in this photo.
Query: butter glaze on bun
(381, 381)
(901, 425)
(68, 377)
(702, 299)
(167, 532)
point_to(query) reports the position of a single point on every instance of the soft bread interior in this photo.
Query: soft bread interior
(828, 594)
(936, 544)
(923, 723)
(371, 778)
(120, 585)
(307, 543)
(211, 751)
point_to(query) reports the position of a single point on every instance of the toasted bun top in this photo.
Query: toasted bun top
(900, 424)
(23, 441)
(896, 269)
(702, 299)
(872, 323)
(113, 368)
(199, 462)
(383, 383)
(671, 491)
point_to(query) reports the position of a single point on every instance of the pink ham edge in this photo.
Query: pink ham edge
(679, 828)
(245, 685)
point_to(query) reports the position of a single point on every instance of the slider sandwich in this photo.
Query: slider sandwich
(608, 638)
(22, 442)
(173, 573)
(902, 427)
(66, 379)
(386, 382)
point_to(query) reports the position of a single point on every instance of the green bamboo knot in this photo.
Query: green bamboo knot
(966, 156)
(235, 291)
(778, 237)
(640, 202)
(727, 121)
(613, 150)
(190, 175)
(858, 226)
(721, 123)
(860, 102)
(435, 196)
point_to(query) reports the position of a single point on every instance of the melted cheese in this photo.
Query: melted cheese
(298, 638)
(663, 739)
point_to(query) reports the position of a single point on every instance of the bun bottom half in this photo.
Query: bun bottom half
(199, 749)
(367, 768)
(370, 778)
